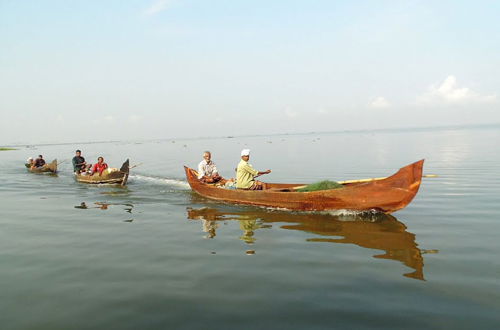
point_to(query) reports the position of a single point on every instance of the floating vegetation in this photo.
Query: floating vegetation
(7, 149)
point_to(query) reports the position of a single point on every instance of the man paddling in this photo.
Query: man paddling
(39, 162)
(246, 174)
(79, 163)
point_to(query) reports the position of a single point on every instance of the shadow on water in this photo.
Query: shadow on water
(368, 230)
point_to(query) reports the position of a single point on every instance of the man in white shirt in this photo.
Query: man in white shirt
(207, 171)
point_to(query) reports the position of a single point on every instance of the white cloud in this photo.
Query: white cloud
(104, 120)
(448, 92)
(379, 103)
(157, 6)
(290, 113)
(322, 111)
(134, 118)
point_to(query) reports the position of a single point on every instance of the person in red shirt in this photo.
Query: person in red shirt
(100, 166)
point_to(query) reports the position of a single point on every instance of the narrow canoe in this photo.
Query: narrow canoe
(385, 195)
(108, 176)
(47, 168)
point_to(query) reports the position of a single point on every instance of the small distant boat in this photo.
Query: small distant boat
(385, 195)
(108, 176)
(47, 168)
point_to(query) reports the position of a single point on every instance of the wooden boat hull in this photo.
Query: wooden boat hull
(47, 168)
(385, 195)
(108, 176)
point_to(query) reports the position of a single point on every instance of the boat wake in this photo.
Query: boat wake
(343, 214)
(160, 180)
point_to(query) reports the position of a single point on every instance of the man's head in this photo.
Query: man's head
(207, 156)
(100, 159)
(245, 154)
(78, 153)
(40, 156)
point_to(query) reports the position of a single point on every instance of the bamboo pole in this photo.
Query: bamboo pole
(369, 180)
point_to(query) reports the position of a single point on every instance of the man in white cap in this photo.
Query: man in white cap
(246, 174)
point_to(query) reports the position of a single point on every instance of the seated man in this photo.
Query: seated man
(29, 162)
(246, 174)
(100, 166)
(39, 162)
(79, 163)
(207, 171)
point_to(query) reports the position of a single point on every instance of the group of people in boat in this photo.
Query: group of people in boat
(245, 173)
(81, 167)
(207, 170)
(36, 163)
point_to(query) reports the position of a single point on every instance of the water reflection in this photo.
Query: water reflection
(373, 231)
(105, 206)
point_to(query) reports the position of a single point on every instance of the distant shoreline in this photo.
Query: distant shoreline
(375, 130)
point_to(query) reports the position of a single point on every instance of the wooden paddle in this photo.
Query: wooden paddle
(131, 167)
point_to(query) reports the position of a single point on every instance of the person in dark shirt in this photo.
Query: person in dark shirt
(39, 162)
(79, 163)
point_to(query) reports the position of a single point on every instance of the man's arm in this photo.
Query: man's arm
(262, 173)
(250, 169)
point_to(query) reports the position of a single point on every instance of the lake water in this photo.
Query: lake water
(154, 255)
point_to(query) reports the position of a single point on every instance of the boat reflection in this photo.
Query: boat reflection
(373, 231)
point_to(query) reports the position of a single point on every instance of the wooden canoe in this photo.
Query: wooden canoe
(47, 168)
(385, 195)
(108, 176)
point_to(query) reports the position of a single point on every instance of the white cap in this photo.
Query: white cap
(245, 152)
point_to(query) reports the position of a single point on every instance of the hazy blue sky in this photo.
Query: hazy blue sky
(140, 69)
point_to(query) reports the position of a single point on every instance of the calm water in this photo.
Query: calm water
(154, 255)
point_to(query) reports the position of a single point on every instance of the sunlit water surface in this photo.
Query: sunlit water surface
(154, 255)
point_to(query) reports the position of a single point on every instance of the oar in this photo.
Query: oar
(131, 167)
(377, 179)
(369, 180)
(61, 162)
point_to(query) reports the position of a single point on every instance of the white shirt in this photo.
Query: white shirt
(206, 169)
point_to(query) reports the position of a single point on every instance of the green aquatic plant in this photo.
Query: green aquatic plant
(6, 149)
(321, 185)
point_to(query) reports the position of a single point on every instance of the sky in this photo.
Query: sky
(74, 71)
